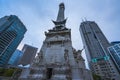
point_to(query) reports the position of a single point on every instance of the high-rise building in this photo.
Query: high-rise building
(15, 58)
(96, 51)
(12, 31)
(115, 53)
(29, 53)
(57, 59)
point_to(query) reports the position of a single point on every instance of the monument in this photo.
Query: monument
(57, 59)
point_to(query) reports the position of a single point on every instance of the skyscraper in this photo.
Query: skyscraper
(12, 31)
(57, 59)
(96, 51)
(29, 53)
(15, 58)
(115, 53)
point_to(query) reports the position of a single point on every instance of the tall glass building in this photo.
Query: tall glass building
(96, 45)
(15, 58)
(12, 31)
(115, 53)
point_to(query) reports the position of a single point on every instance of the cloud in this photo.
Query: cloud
(37, 15)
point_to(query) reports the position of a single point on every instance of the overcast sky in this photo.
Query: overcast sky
(37, 15)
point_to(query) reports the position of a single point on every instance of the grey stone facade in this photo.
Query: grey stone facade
(57, 59)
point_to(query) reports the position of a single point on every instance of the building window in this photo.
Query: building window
(6, 39)
(48, 44)
(95, 36)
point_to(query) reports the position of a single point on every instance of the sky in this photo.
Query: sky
(36, 15)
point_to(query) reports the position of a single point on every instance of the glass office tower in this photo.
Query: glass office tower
(96, 45)
(115, 53)
(12, 31)
(15, 58)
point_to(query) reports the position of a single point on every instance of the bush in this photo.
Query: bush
(96, 77)
(1, 71)
(8, 72)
